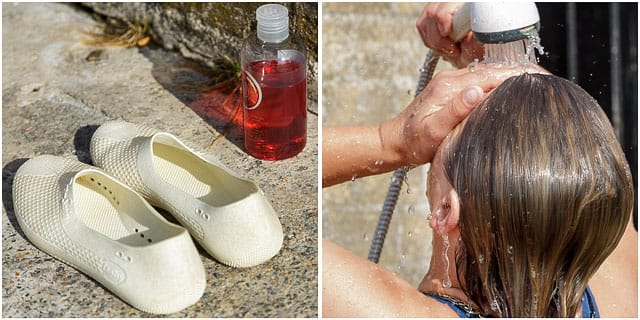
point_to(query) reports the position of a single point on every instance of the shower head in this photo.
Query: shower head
(496, 22)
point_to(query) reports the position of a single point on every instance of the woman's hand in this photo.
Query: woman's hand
(435, 24)
(415, 134)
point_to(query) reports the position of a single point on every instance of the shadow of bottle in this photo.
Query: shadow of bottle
(214, 94)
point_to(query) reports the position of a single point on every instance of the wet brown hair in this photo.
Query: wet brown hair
(545, 196)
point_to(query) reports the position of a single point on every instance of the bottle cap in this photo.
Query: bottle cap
(273, 23)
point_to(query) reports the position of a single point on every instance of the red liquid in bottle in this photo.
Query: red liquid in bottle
(275, 118)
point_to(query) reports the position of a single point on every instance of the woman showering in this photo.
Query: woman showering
(530, 199)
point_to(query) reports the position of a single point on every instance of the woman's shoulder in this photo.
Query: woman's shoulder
(615, 284)
(355, 287)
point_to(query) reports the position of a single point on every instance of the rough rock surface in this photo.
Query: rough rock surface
(205, 31)
(53, 99)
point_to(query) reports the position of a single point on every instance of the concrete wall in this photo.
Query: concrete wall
(372, 54)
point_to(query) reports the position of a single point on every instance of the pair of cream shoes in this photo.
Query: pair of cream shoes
(99, 220)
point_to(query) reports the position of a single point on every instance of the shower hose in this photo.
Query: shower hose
(426, 73)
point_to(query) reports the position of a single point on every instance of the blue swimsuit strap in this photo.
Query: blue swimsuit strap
(589, 306)
(588, 302)
(454, 305)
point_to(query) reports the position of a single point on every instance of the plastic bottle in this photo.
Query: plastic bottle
(274, 87)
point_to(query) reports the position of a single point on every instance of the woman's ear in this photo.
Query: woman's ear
(447, 215)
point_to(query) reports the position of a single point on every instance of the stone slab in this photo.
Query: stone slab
(53, 99)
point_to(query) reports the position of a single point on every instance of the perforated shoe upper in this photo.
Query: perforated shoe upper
(84, 217)
(228, 215)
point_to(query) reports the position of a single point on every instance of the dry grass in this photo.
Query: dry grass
(119, 33)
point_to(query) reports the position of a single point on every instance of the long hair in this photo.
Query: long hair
(545, 196)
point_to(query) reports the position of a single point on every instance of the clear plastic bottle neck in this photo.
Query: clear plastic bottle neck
(273, 23)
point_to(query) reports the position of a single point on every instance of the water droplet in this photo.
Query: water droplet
(532, 271)
(353, 178)
(510, 250)
(446, 282)
(365, 237)
(379, 162)
(404, 256)
(494, 305)
(412, 209)
(481, 258)
(408, 190)
(409, 234)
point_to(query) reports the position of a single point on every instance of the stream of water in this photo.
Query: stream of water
(521, 51)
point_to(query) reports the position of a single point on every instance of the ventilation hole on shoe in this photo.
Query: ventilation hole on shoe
(118, 202)
(114, 198)
(99, 184)
(149, 240)
(119, 254)
(198, 211)
(92, 179)
(128, 259)
(142, 235)
(136, 230)
(205, 216)
(105, 188)
(110, 192)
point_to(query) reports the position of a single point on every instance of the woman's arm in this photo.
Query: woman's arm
(355, 152)
(413, 136)
(355, 287)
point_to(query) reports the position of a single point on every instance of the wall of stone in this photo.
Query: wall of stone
(208, 31)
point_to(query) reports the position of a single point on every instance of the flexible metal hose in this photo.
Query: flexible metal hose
(426, 73)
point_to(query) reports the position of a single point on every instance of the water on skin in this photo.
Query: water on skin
(446, 282)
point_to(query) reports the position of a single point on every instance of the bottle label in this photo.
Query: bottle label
(254, 93)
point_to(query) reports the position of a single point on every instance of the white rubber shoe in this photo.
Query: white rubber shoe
(228, 215)
(84, 217)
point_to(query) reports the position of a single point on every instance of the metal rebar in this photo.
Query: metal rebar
(571, 22)
(616, 69)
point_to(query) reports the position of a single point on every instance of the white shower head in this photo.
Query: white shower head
(496, 22)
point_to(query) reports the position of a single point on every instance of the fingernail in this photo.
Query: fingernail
(471, 96)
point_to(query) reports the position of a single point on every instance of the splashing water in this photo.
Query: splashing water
(514, 52)
(446, 282)
(494, 305)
